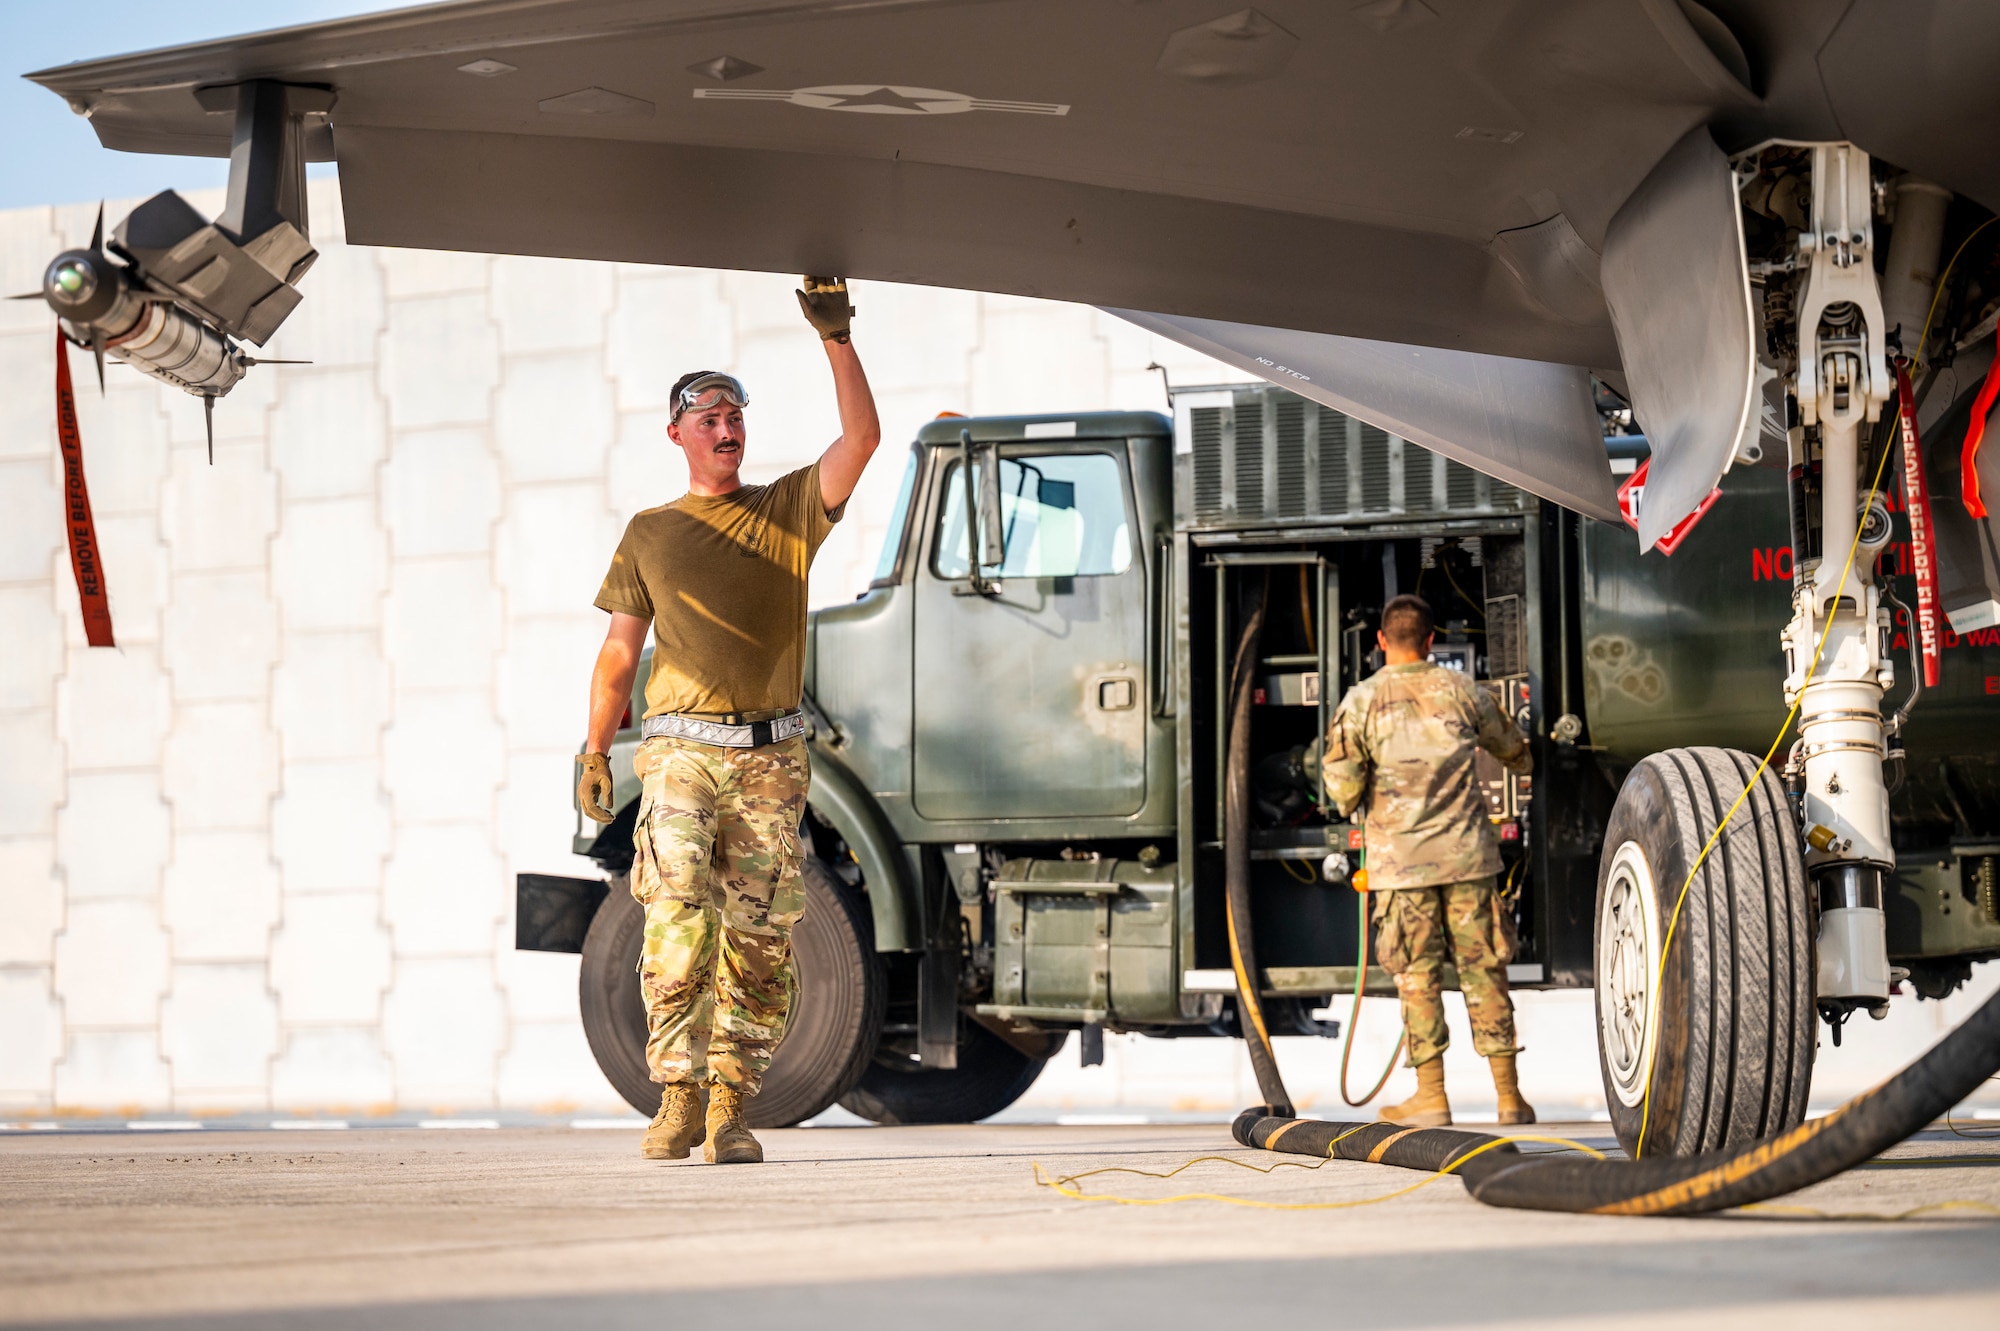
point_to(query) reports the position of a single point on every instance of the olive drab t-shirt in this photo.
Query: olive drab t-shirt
(723, 578)
(1400, 751)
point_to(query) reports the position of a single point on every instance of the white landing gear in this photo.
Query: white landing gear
(1840, 384)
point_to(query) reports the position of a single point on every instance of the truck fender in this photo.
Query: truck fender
(839, 798)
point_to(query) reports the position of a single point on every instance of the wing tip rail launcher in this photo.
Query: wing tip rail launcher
(172, 294)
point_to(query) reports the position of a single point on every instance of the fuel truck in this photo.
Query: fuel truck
(1022, 747)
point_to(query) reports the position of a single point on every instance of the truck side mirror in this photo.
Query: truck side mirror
(982, 511)
(992, 545)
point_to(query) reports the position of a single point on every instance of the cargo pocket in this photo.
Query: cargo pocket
(1391, 948)
(645, 874)
(788, 890)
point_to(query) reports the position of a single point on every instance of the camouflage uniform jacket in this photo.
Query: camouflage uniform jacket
(1401, 745)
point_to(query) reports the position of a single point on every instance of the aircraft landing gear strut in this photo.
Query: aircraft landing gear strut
(1837, 667)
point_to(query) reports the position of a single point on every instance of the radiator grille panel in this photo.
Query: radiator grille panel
(1419, 471)
(1333, 427)
(1321, 465)
(1249, 460)
(1291, 457)
(1207, 441)
(1461, 485)
(1375, 480)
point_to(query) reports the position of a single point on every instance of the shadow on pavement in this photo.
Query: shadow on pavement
(1588, 1282)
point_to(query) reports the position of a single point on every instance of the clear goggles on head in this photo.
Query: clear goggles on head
(708, 391)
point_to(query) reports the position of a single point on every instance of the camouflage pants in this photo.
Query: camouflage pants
(717, 869)
(1412, 927)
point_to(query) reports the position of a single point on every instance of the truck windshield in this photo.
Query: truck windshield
(1062, 516)
(892, 538)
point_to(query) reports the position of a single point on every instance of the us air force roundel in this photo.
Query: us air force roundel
(881, 99)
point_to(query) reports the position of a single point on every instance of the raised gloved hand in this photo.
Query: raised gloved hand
(593, 787)
(826, 307)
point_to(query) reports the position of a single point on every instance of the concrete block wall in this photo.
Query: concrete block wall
(261, 855)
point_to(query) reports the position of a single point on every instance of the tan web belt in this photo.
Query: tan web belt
(745, 734)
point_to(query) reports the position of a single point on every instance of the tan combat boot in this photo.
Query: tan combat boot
(1428, 1108)
(677, 1128)
(1513, 1109)
(729, 1139)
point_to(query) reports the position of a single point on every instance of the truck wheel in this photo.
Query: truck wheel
(835, 1022)
(991, 1074)
(1722, 1040)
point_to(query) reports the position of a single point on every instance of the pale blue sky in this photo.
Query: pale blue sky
(50, 155)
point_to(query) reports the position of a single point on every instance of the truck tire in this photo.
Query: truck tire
(1723, 1053)
(835, 1021)
(991, 1074)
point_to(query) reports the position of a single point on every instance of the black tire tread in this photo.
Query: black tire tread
(838, 928)
(991, 1074)
(836, 925)
(609, 1001)
(1734, 1055)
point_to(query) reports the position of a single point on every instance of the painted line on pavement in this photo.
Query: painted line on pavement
(87, 1124)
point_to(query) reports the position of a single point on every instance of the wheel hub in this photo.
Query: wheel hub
(1627, 964)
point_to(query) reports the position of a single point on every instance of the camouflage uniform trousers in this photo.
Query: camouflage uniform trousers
(717, 870)
(1412, 927)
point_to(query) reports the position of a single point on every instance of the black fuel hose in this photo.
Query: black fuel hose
(1427, 1149)
(1236, 867)
(1818, 1149)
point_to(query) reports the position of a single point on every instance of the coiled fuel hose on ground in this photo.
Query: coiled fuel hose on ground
(1500, 1175)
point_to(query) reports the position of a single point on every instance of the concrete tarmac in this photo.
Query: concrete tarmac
(926, 1227)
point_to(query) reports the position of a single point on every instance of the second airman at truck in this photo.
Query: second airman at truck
(1399, 757)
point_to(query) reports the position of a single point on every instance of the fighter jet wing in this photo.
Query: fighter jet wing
(1434, 172)
(1529, 423)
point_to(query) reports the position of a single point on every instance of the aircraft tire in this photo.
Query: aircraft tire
(991, 1074)
(835, 1021)
(1725, 1055)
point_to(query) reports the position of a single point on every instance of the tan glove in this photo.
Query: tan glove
(825, 305)
(593, 788)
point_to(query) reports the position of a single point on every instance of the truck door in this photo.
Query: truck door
(1030, 679)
